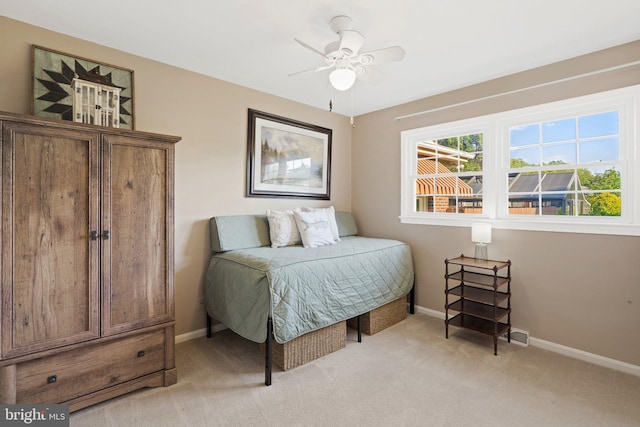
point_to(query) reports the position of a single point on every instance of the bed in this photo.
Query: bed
(264, 293)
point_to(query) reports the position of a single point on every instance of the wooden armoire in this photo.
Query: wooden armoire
(86, 269)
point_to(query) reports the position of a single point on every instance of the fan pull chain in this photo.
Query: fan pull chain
(352, 124)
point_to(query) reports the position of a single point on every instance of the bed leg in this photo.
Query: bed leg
(359, 329)
(412, 298)
(208, 326)
(268, 359)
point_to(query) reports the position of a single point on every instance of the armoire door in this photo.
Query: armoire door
(137, 223)
(50, 264)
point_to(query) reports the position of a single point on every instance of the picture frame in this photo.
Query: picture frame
(287, 158)
(53, 73)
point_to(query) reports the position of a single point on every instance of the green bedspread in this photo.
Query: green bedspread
(305, 289)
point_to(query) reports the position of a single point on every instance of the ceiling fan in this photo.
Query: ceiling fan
(344, 58)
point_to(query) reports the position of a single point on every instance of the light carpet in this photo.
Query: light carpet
(406, 375)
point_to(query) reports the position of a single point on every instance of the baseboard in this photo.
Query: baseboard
(198, 333)
(586, 356)
(429, 312)
(534, 342)
(561, 349)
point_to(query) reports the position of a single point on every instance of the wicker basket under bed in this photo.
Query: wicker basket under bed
(382, 317)
(309, 346)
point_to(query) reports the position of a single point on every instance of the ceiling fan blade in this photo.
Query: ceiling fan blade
(380, 56)
(313, 70)
(369, 75)
(351, 40)
(303, 44)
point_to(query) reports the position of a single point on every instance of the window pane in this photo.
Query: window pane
(448, 153)
(599, 179)
(603, 204)
(524, 135)
(430, 166)
(472, 164)
(567, 204)
(525, 157)
(425, 186)
(471, 143)
(470, 204)
(559, 130)
(460, 153)
(559, 204)
(524, 183)
(473, 181)
(603, 124)
(424, 203)
(524, 204)
(599, 150)
(436, 203)
(558, 181)
(559, 154)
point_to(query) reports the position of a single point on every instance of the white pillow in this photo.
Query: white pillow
(314, 228)
(331, 215)
(282, 228)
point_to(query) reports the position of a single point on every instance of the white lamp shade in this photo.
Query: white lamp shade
(481, 233)
(342, 78)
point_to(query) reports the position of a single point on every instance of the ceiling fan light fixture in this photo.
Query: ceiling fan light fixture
(344, 59)
(342, 78)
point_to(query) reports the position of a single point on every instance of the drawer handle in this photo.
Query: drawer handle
(52, 379)
(141, 353)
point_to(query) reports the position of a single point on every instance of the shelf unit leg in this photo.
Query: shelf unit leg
(446, 299)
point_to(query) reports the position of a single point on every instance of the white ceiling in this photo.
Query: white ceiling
(449, 43)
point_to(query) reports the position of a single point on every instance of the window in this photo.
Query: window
(564, 166)
(569, 166)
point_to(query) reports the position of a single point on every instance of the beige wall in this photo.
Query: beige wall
(211, 117)
(577, 290)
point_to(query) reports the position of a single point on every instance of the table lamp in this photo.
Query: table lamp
(481, 235)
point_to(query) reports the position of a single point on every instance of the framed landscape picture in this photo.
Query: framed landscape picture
(53, 75)
(287, 158)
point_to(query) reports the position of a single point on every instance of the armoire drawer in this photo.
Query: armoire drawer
(67, 375)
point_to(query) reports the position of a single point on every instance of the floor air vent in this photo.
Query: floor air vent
(518, 337)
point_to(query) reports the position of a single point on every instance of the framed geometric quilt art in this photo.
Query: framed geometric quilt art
(53, 74)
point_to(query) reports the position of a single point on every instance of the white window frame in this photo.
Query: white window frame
(496, 158)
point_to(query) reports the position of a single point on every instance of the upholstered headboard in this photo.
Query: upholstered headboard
(346, 224)
(252, 231)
